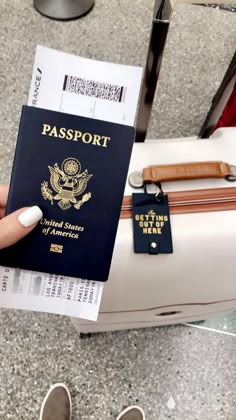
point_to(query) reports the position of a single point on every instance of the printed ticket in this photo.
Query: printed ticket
(34, 291)
(81, 86)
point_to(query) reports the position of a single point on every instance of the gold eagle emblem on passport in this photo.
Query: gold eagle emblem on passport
(68, 182)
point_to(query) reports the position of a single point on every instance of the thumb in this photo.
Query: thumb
(18, 224)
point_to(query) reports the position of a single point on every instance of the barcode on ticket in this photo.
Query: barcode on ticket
(99, 90)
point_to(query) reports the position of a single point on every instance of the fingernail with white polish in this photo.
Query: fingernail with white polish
(30, 216)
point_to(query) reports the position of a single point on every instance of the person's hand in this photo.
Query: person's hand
(17, 224)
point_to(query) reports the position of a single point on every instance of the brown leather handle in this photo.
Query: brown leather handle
(182, 171)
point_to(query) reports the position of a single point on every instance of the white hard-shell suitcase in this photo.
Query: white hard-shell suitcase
(196, 281)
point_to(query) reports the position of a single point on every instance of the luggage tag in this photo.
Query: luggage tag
(151, 219)
(151, 223)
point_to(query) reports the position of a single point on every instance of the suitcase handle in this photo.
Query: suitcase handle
(155, 174)
(183, 171)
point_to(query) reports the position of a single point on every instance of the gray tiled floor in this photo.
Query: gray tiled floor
(111, 370)
(108, 371)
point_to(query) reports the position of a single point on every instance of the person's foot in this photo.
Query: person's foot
(132, 413)
(57, 404)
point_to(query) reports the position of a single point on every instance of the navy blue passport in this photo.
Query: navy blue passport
(74, 169)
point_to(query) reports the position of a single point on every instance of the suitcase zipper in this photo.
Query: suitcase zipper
(192, 201)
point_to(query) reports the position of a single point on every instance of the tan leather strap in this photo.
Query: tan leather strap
(192, 201)
(182, 171)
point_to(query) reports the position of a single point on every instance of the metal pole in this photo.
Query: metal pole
(160, 25)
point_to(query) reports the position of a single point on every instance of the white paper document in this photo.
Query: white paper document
(85, 87)
(80, 86)
(23, 289)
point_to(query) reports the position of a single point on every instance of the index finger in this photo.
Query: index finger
(3, 195)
